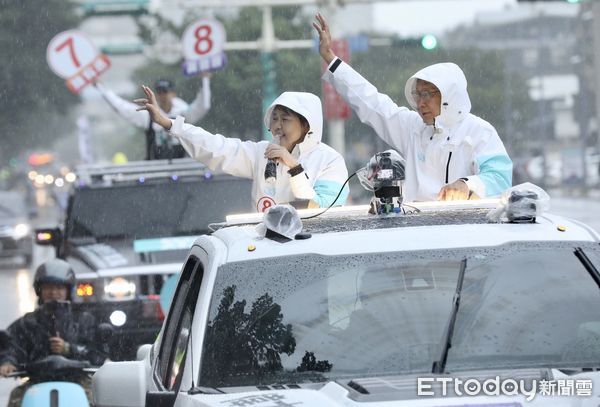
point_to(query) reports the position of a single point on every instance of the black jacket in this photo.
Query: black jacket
(30, 336)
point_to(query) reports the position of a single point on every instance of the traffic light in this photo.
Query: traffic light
(429, 42)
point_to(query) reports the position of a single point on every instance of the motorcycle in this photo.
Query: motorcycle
(55, 382)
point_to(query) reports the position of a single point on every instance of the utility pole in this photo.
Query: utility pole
(337, 130)
(268, 65)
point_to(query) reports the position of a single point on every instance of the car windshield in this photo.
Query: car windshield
(156, 209)
(315, 318)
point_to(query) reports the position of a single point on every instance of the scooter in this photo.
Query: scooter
(54, 386)
(55, 377)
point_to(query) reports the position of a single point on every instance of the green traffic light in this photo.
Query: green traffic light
(429, 42)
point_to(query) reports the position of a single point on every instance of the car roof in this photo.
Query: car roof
(109, 175)
(351, 230)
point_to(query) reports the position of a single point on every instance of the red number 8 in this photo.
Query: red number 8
(266, 205)
(203, 37)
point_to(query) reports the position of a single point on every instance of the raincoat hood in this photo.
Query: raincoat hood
(305, 104)
(451, 81)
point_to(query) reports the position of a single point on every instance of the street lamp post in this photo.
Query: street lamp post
(268, 65)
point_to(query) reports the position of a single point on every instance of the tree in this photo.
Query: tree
(240, 344)
(33, 99)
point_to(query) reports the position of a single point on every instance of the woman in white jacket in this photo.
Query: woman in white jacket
(450, 153)
(306, 169)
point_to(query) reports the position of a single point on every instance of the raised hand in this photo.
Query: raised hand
(151, 106)
(324, 38)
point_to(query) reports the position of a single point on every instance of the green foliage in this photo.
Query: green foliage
(32, 97)
(242, 344)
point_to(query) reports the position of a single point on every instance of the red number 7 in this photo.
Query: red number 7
(69, 43)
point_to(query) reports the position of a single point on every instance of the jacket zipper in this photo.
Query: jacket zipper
(448, 165)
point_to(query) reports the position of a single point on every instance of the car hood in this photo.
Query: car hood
(370, 392)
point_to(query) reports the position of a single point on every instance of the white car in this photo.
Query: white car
(436, 307)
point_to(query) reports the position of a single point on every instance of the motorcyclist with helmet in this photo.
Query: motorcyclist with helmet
(51, 329)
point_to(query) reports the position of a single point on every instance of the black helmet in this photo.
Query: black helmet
(55, 271)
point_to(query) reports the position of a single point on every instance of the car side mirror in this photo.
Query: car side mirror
(143, 351)
(120, 384)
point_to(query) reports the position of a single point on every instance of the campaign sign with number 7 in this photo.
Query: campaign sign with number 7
(203, 43)
(73, 56)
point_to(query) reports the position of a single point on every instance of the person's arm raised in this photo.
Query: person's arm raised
(151, 106)
(324, 38)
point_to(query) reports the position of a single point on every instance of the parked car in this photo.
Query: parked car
(364, 309)
(15, 228)
(128, 228)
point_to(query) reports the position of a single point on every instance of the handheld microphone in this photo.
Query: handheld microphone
(271, 171)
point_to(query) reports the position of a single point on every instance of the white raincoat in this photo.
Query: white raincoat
(128, 110)
(324, 168)
(458, 145)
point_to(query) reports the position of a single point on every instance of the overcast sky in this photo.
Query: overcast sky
(416, 17)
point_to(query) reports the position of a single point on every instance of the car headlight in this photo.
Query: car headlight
(118, 318)
(21, 230)
(120, 288)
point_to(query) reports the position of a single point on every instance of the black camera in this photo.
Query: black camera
(388, 179)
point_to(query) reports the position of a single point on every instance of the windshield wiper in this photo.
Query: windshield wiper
(587, 263)
(440, 365)
(204, 390)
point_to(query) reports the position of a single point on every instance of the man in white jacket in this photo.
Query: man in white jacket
(307, 171)
(158, 144)
(450, 153)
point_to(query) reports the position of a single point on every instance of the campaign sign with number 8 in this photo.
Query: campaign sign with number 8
(203, 43)
(69, 52)
(203, 38)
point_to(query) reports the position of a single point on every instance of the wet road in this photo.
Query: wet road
(16, 286)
